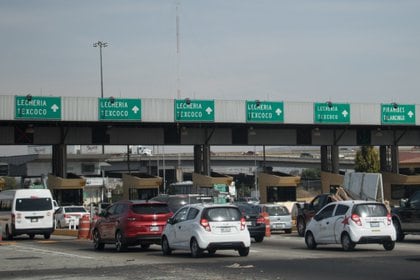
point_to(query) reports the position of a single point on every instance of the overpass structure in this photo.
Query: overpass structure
(61, 121)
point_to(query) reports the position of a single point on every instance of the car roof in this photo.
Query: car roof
(211, 205)
(353, 202)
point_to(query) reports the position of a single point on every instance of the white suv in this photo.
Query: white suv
(211, 227)
(351, 222)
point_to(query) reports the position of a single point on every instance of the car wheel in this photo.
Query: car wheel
(244, 251)
(310, 241)
(31, 236)
(288, 230)
(120, 244)
(301, 226)
(398, 230)
(346, 242)
(9, 235)
(259, 238)
(389, 246)
(196, 251)
(97, 244)
(166, 250)
(212, 252)
(47, 235)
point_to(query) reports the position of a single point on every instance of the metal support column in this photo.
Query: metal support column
(395, 159)
(335, 159)
(197, 159)
(59, 160)
(383, 157)
(324, 159)
(206, 160)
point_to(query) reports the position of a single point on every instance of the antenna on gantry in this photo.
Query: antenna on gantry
(178, 79)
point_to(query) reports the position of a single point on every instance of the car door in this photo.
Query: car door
(338, 224)
(324, 222)
(106, 224)
(410, 215)
(175, 235)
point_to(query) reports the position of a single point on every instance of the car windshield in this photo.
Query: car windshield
(220, 214)
(277, 210)
(33, 204)
(370, 210)
(75, 209)
(150, 208)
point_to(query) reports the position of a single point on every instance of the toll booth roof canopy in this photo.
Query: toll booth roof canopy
(142, 175)
(215, 174)
(281, 174)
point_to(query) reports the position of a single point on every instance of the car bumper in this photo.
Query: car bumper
(229, 241)
(257, 231)
(373, 236)
(280, 226)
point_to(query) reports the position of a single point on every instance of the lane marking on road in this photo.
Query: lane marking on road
(50, 252)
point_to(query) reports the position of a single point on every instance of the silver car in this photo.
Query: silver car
(280, 217)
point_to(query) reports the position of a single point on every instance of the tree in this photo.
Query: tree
(367, 160)
(9, 183)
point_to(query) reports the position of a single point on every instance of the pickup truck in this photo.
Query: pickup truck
(406, 218)
(308, 210)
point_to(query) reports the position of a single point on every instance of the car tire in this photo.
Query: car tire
(389, 246)
(310, 241)
(398, 230)
(347, 243)
(166, 250)
(259, 238)
(288, 231)
(196, 251)
(301, 226)
(47, 235)
(31, 236)
(244, 251)
(212, 252)
(120, 243)
(97, 244)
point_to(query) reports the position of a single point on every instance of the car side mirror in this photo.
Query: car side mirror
(317, 218)
(404, 202)
(171, 221)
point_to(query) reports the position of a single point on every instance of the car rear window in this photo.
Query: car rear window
(33, 204)
(249, 209)
(150, 208)
(370, 210)
(277, 210)
(220, 214)
(75, 209)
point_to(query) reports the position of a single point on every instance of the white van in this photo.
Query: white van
(26, 211)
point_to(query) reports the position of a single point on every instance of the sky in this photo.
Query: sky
(358, 51)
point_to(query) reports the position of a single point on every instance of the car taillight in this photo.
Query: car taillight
(205, 224)
(261, 220)
(389, 218)
(243, 223)
(355, 218)
(67, 216)
(131, 219)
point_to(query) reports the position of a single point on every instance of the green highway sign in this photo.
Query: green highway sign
(398, 113)
(264, 111)
(194, 110)
(37, 107)
(119, 109)
(328, 112)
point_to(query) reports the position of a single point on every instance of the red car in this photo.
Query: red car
(131, 223)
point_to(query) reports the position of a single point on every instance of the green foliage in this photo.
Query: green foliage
(311, 173)
(367, 160)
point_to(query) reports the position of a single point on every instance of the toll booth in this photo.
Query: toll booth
(140, 186)
(216, 185)
(277, 187)
(398, 186)
(67, 191)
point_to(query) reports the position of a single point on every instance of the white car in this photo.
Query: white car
(206, 227)
(351, 222)
(68, 216)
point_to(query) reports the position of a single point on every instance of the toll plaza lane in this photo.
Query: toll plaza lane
(282, 256)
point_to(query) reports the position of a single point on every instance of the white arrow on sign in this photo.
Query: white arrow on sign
(209, 110)
(410, 114)
(54, 108)
(278, 112)
(345, 113)
(135, 109)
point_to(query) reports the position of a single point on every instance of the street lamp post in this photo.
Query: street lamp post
(101, 45)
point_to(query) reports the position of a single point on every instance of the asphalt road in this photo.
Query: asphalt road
(281, 256)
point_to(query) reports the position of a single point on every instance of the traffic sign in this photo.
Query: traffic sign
(119, 109)
(329, 112)
(194, 110)
(37, 107)
(264, 111)
(398, 113)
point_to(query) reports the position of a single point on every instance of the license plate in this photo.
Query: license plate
(225, 229)
(34, 220)
(154, 228)
(249, 223)
(374, 224)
